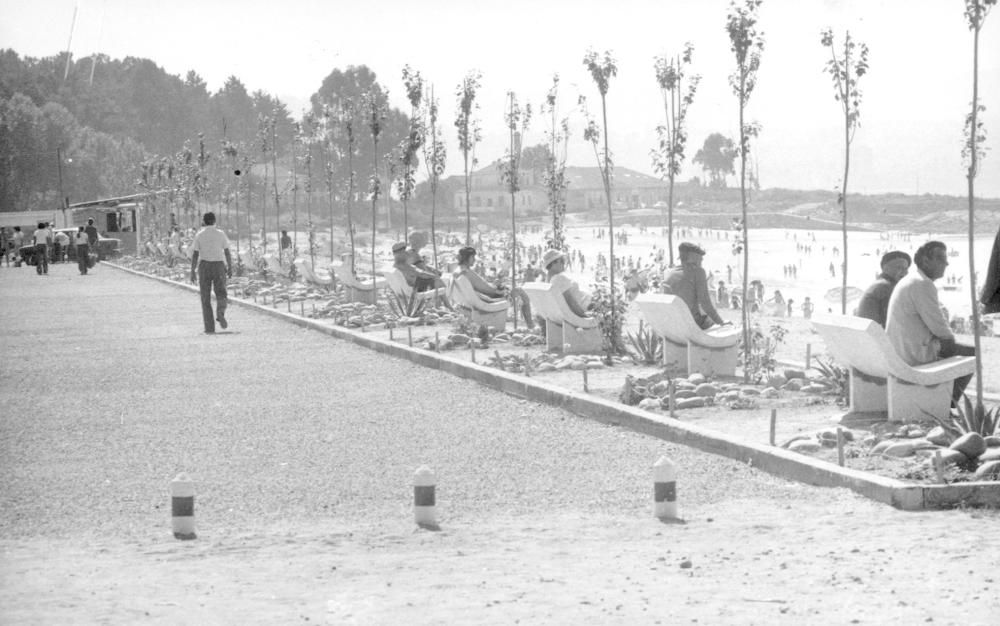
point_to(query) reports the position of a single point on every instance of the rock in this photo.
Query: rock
(913, 432)
(661, 388)
(869, 441)
(939, 436)
(804, 446)
(728, 396)
(788, 443)
(794, 374)
(649, 404)
(696, 378)
(813, 388)
(690, 403)
(680, 383)
(627, 360)
(993, 441)
(684, 394)
(794, 384)
(750, 391)
(776, 381)
(900, 449)
(769, 392)
(686, 564)
(706, 390)
(594, 365)
(544, 367)
(578, 365)
(827, 434)
(881, 446)
(989, 471)
(991, 454)
(971, 444)
(563, 364)
(953, 457)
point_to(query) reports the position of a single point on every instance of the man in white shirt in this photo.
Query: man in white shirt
(211, 264)
(916, 326)
(43, 241)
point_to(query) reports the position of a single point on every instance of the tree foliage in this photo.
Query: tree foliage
(716, 156)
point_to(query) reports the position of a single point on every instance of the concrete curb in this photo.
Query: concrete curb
(776, 461)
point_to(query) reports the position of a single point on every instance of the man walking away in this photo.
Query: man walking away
(43, 239)
(212, 263)
(92, 237)
(82, 250)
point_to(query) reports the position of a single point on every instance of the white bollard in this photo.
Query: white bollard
(424, 502)
(182, 507)
(665, 489)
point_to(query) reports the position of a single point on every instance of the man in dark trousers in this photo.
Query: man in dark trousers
(91, 231)
(211, 264)
(874, 303)
(991, 288)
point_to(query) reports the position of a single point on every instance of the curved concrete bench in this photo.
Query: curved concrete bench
(397, 284)
(358, 290)
(565, 331)
(880, 380)
(309, 275)
(479, 311)
(685, 345)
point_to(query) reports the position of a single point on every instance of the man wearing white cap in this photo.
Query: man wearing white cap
(554, 262)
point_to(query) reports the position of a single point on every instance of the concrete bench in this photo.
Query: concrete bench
(880, 380)
(479, 311)
(397, 284)
(308, 274)
(564, 330)
(686, 346)
(358, 289)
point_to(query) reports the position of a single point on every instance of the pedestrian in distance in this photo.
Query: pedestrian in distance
(43, 241)
(211, 265)
(82, 250)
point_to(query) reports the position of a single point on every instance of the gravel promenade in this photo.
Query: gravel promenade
(302, 448)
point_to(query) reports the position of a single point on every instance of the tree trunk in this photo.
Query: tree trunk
(745, 313)
(973, 163)
(611, 220)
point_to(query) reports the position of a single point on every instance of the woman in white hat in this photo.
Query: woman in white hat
(554, 262)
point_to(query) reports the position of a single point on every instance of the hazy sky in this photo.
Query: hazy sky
(915, 96)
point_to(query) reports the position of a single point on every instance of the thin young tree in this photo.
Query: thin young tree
(435, 158)
(409, 146)
(274, 178)
(747, 44)
(667, 158)
(975, 134)
(348, 118)
(517, 120)
(374, 109)
(602, 69)
(468, 136)
(309, 135)
(554, 177)
(846, 70)
(263, 139)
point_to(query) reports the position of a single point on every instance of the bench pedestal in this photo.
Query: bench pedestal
(711, 361)
(569, 340)
(868, 393)
(909, 402)
(366, 296)
(675, 356)
(496, 320)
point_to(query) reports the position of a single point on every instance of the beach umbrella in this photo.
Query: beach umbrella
(833, 296)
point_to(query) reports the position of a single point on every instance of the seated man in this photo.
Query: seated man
(874, 303)
(916, 326)
(418, 239)
(419, 279)
(486, 291)
(554, 262)
(689, 282)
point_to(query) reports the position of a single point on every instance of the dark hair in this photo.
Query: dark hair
(464, 254)
(209, 219)
(90, 221)
(924, 252)
(80, 230)
(41, 224)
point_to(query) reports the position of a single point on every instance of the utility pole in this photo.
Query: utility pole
(64, 200)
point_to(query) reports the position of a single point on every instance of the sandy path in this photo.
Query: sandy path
(302, 448)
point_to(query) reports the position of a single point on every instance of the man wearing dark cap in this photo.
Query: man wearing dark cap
(874, 303)
(418, 278)
(689, 282)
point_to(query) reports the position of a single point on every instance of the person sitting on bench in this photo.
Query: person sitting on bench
(554, 262)
(689, 282)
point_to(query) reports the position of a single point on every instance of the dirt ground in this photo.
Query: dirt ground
(302, 448)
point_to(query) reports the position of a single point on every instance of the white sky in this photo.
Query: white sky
(916, 94)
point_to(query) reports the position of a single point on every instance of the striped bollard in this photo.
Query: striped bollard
(665, 489)
(424, 502)
(182, 507)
